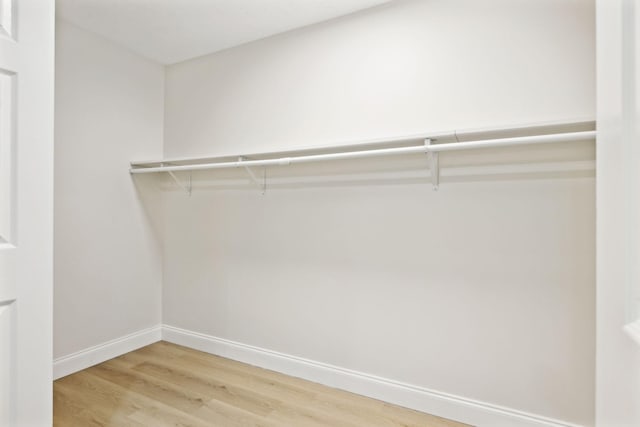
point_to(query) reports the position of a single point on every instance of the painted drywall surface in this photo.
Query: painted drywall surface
(483, 290)
(108, 272)
(618, 356)
(400, 69)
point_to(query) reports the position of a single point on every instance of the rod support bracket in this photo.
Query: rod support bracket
(434, 164)
(186, 187)
(262, 186)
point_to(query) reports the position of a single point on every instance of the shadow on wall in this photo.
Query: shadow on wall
(149, 195)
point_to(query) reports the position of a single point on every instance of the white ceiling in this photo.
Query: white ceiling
(170, 31)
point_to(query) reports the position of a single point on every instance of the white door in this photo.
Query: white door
(26, 211)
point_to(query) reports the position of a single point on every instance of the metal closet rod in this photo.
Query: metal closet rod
(427, 148)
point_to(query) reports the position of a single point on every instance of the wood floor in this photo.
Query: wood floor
(168, 385)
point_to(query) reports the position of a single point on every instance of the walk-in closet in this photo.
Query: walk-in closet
(292, 213)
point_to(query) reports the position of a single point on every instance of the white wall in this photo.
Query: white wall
(399, 69)
(108, 269)
(484, 290)
(618, 356)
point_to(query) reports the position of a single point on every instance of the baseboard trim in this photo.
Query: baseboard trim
(457, 408)
(86, 358)
(479, 414)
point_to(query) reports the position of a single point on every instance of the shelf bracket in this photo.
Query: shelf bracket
(434, 165)
(254, 179)
(186, 188)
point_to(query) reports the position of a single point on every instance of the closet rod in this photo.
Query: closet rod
(427, 148)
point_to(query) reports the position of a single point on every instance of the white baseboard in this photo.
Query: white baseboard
(445, 405)
(83, 359)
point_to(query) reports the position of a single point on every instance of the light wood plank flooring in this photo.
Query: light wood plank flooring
(168, 385)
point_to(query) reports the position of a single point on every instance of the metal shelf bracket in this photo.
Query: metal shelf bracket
(262, 186)
(434, 164)
(186, 188)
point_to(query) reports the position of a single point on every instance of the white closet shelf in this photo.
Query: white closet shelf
(427, 143)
